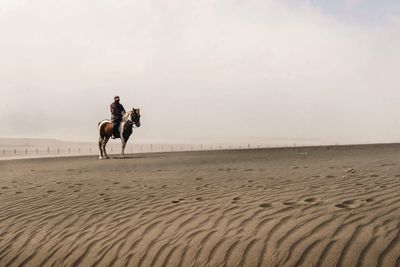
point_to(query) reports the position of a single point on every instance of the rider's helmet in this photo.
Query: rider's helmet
(116, 98)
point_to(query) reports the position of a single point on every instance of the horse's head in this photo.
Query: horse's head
(135, 116)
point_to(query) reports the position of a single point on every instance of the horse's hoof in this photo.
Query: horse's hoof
(100, 157)
(107, 157)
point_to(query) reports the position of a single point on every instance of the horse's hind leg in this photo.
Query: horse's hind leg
(100, 147)
(105, 140)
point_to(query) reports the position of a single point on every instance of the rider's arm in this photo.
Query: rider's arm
(112, 109)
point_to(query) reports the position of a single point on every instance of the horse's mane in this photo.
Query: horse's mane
(126, 115)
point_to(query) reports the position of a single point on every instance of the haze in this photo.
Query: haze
(203, 70)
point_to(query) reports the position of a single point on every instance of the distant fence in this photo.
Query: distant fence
(29, 152)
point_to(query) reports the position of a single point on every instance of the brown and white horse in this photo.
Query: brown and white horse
(129, 120)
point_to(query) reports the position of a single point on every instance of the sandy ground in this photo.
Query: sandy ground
(336, 206)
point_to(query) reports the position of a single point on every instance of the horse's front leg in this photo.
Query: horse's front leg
(123, 144)
(105, 140)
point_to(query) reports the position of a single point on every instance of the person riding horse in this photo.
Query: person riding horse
(117, 111)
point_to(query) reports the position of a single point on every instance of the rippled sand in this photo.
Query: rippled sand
(335, 206)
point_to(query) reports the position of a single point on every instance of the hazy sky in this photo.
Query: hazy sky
(214, 69)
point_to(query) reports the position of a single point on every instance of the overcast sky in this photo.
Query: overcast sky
(211, 70)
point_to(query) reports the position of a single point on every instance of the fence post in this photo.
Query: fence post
(48, 150)
(15, 151)
(141, 148)
(79, 149)
(26, 151)
(37, 151)
(151, 147)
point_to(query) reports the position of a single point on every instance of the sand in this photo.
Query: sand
(324, 206)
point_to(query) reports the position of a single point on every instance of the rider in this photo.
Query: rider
(117, 110)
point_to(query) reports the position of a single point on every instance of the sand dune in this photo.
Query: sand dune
(335, 206)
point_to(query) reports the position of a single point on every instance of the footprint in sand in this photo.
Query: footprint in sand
(116, 182)
(288, 203)
(18, 192)
(348, 204)
(312, 199)
(265, 205)
(374, 175)
(175, 201)
(330, 176)
(236, 198)
(50, 191)
(198, 198)
(368, 200)
(4, 187)
(199, 179)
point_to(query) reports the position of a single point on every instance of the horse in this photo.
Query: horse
(129, 120)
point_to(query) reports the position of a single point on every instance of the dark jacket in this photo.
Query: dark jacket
(116, 111)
